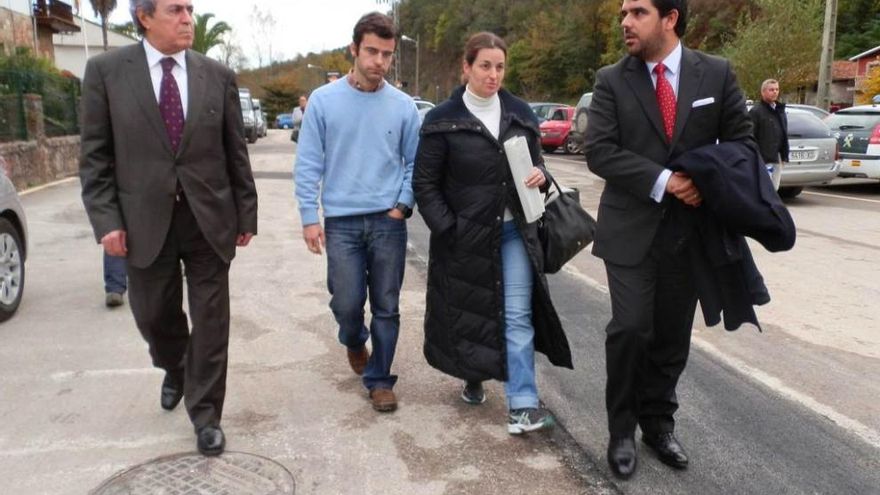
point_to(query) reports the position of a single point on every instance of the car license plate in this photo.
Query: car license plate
(802, 156)
(856, 163)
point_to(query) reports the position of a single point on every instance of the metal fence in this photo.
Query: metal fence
(59, 101)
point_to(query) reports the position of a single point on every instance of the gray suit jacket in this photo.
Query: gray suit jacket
(626, 144)
(129, 173)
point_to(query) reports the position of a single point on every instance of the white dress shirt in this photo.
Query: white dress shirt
(154, 59)
(673, 70)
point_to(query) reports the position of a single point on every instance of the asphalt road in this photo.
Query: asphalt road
(773, 412)
(791, 410)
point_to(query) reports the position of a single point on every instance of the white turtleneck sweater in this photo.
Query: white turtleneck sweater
(488, 111)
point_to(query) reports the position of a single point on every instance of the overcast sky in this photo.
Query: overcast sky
(302, 26)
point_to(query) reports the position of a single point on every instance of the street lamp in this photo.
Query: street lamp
(416, 41)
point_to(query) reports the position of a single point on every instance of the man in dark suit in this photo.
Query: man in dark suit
(166, 179)
(770, 127)
(654, 104)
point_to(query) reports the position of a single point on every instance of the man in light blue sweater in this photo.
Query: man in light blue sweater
(356, 151)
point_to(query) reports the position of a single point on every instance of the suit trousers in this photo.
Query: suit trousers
(156, 298)
(648, 338)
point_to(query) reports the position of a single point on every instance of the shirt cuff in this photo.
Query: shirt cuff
(660, 186)
(309, 217)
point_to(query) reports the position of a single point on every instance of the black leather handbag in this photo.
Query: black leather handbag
(565, 229)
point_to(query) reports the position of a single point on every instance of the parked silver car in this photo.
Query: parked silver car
(813, 157)
(260, 116)
(423, 106)
(579, 126)
(13, 247)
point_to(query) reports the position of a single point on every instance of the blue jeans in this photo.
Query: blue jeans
(115, 274)
(521, 389)
(366, 253)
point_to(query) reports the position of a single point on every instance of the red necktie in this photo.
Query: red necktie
(666, 100)
(170, 106)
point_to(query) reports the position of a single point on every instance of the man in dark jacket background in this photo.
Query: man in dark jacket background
(771, 128)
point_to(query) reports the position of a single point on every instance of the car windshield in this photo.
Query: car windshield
(246, 105)
(853, 120)
(806, 125)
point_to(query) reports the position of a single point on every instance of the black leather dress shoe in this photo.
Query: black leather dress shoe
(172, 390)
(668, 450)
(210, 440)
(622, 456)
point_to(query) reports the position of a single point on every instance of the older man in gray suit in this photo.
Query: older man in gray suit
(656, 103)
(166, 179)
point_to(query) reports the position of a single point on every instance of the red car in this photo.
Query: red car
(556, 131)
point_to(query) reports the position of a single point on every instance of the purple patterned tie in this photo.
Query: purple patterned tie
(169, 104)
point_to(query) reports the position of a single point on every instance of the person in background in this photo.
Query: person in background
(297, 117)
(299, 111)
(488, 306)
(115, 280)
(770, 127)
(359, 163)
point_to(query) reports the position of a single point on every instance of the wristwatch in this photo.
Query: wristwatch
(406, 210)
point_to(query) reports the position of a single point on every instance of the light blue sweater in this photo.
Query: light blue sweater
(355, 149)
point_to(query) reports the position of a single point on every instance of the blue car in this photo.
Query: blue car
(284, 121)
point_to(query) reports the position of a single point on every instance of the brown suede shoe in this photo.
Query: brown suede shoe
(383, 399)
(358, 360)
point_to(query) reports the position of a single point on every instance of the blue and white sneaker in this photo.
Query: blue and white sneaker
(521, 421)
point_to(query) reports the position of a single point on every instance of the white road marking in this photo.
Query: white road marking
(862, 431)
(47, 186)
(91, 444)
(63, 376)
(872, 437)
(839, 196)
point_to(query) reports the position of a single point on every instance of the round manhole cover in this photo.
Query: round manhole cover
(233, 473)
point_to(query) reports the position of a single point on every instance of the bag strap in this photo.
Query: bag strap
(554, 183)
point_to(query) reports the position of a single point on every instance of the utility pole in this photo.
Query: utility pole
(826, 62)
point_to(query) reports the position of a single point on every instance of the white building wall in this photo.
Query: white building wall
(70, 52)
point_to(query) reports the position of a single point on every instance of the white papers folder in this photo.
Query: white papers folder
(520, 160)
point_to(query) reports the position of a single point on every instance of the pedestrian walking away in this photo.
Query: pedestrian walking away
(115, 280)
(658, 102)
(166, 179)
(356, 151)
(770, 126)
(297, 116)
(488, 306)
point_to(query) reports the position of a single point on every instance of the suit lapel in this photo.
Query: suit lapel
(142, 88)
(689, 80)
(636, 75)
(195, 80)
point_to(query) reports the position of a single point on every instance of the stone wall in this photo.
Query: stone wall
(31, 163)
(15, 30)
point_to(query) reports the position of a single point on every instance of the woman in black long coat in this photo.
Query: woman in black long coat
(488, 306)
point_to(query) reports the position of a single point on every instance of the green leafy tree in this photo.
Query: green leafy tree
(782, 42)
(126, 28)
(858, 27)
(103, 8)
(205, 37)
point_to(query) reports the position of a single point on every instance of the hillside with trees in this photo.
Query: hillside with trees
(556, 46)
